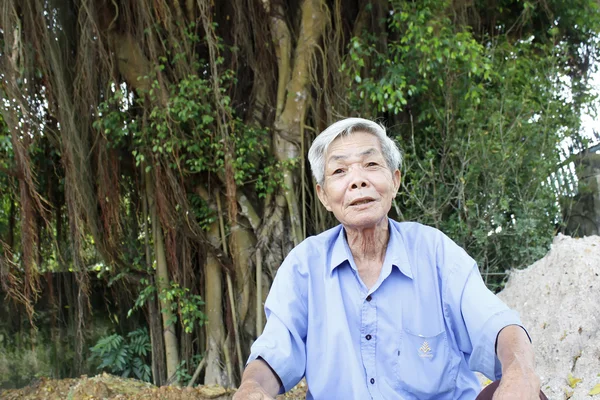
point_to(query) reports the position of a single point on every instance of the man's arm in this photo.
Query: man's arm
(515, 352)
(258, 382)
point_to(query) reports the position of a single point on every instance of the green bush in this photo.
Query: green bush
(19, 365)
(125, 357)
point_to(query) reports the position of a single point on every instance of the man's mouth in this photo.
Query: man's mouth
(359, 202)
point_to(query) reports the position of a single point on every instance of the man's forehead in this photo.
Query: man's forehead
(341, 155)
(360, 144)
(352, 150)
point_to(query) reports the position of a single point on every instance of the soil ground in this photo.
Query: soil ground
(111, 387)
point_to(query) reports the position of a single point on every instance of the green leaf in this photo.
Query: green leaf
(573, 381)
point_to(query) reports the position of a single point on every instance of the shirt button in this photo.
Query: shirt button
(368, 337)
(372, 381)
(369, 298)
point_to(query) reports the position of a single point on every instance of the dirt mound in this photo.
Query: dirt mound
(558, 298)
(107, 386)
(111, 387)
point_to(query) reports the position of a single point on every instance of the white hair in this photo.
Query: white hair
(318, 149)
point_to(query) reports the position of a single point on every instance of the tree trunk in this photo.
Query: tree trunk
(156, 338)
(215, 334)
(292, 107)
(243, 244)
(158, 345)
(213, 292)
(162, 286)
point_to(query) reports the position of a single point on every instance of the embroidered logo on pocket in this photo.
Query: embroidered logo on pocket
(425, 351)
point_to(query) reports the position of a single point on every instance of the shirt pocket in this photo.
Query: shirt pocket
(426, 367)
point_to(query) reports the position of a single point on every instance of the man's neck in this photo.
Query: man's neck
(369, 245)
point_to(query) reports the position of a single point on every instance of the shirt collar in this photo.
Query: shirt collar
(395, 253)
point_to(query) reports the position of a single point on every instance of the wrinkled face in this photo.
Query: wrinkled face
(358, 186)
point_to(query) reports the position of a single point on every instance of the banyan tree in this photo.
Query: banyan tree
(153, 152)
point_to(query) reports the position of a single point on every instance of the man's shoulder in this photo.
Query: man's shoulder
(449, 256)
(412, 230)
(423, 241)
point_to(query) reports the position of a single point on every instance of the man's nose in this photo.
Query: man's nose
(358, 181)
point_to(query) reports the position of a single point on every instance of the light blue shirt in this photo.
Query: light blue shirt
(418, 333)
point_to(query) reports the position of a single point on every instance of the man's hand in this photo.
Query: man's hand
(259, 382)
(518, 383)
(519, 380)
(250, 390)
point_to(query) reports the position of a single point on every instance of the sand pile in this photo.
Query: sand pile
(558, 298)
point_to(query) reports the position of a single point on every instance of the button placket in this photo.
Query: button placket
(368, 329)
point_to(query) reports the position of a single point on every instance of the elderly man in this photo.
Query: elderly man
(376, 309)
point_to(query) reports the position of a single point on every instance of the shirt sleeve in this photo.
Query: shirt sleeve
(476, 314)
(282, 344)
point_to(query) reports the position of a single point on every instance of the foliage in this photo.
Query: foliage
(19, 365)
(484, 121)
(6, 160)
(182, 375)
(189, 306)
(5, 144)
(125, 356)
(183, 302)
(34, 354)
(195, 148)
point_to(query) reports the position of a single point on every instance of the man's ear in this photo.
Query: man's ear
(323, 197)
(397, 178)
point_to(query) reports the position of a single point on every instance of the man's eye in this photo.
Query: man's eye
(338, 171)
(371, 164)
